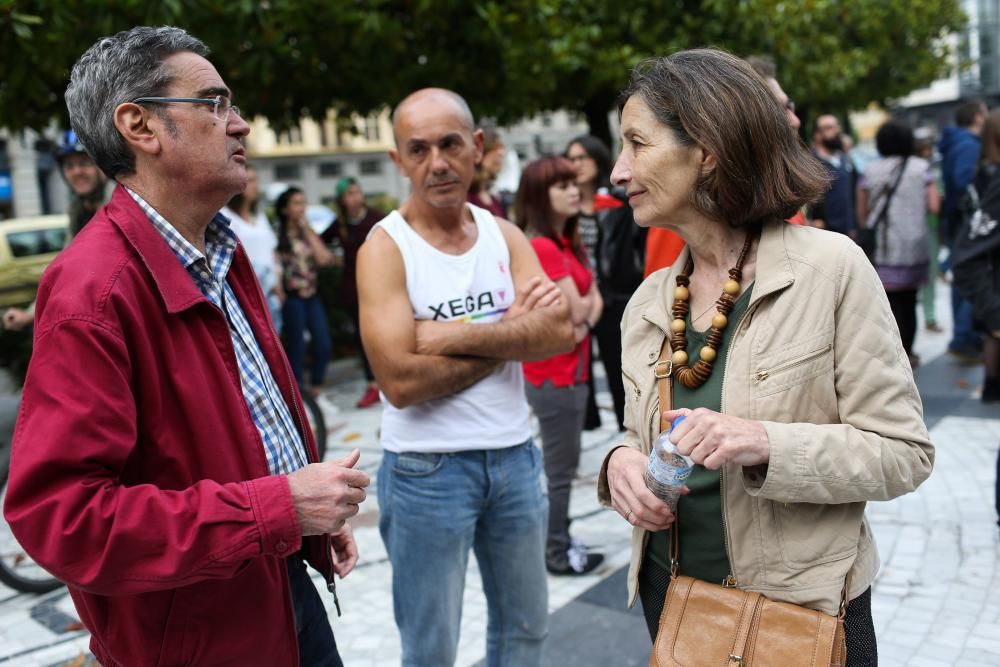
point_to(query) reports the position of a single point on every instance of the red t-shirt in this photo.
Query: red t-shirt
(573, 367)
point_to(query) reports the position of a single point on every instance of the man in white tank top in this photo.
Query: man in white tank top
(451, 300)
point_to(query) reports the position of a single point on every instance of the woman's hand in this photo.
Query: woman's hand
(712, 438)
(629, 495)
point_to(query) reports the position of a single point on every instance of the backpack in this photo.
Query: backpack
(621, 253)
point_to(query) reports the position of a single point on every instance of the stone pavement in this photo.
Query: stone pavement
(936, 601)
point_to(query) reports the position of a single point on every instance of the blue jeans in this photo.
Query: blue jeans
(964, 335)
(300, 314)
(433, 509)
(317, 647)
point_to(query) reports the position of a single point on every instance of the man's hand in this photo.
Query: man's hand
(345, 551)
(327, 494)
(437, 338)
(629, 495)
(16, 319)
(538, 292)
(430, 336)
(712, 438)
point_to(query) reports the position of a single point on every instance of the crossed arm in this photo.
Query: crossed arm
(447, 357)
(537, 326)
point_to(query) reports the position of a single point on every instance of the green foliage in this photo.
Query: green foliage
(509, 58)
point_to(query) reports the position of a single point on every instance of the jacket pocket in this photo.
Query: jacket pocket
(778, 373)
(811, 534)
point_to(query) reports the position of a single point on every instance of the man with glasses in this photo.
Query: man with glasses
(161, 462)
(835, 211)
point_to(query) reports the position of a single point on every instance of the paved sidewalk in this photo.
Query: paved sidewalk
(936, 600)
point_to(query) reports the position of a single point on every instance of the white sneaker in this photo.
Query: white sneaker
(328, 408)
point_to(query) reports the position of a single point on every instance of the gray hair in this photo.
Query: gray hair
(116, 70)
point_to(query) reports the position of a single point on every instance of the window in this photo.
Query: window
(288, 171)
(290, 136)
(546, 120)
(372, 131)
(330, 169)
(36, 242)
(371, 167)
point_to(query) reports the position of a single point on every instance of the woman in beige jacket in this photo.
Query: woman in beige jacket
(785, 357)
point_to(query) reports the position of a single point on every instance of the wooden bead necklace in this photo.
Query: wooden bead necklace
(694, 377)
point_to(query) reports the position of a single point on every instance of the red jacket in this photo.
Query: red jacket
(137, 474)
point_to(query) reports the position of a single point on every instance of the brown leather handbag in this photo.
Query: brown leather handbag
(718, 626)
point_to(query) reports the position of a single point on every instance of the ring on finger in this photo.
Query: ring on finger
(628, 516)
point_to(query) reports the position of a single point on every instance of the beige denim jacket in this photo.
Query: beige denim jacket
(818, 360)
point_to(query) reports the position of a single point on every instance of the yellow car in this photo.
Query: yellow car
(27, 245)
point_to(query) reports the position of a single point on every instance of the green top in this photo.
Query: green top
(702, 538)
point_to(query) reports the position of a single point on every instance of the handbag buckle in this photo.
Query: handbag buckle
(738, 659)
(658, 369)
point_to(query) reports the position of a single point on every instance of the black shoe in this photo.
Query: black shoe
(576, 567)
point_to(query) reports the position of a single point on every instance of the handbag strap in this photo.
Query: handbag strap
(883, 216)
(663, 371)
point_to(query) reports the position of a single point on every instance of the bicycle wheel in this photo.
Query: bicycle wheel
(17, 569)
(317, 424)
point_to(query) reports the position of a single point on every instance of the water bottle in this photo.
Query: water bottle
(667, 469)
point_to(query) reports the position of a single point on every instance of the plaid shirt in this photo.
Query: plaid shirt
(282, 445)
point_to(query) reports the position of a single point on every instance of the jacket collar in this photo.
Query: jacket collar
(172, 280)
(774, 273)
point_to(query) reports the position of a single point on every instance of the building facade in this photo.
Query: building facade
(315, 155)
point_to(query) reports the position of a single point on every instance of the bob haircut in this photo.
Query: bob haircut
(894, 139)
(714, 100)
(533, 208)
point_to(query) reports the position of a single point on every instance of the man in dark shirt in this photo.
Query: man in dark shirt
(960, 146)
(835, 211)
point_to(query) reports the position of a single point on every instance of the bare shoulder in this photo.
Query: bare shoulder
(516, 240)
(379, 247)
(379, 261)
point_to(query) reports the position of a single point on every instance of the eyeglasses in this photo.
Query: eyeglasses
(577, 158)
(220, 104)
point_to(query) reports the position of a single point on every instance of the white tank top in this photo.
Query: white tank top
(473, 287)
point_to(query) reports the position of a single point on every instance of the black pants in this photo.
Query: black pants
(317, 647)
(859, 629)
(609, 340)
(904, 309)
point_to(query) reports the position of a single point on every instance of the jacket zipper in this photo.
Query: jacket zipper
(764, 373)
(331, 583)
(730, 581)
(635, 385)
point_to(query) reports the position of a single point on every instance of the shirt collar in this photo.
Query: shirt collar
(218, 233)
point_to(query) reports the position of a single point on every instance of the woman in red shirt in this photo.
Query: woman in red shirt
(548, 209)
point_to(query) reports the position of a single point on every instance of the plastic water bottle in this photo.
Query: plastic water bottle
(667, 469)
